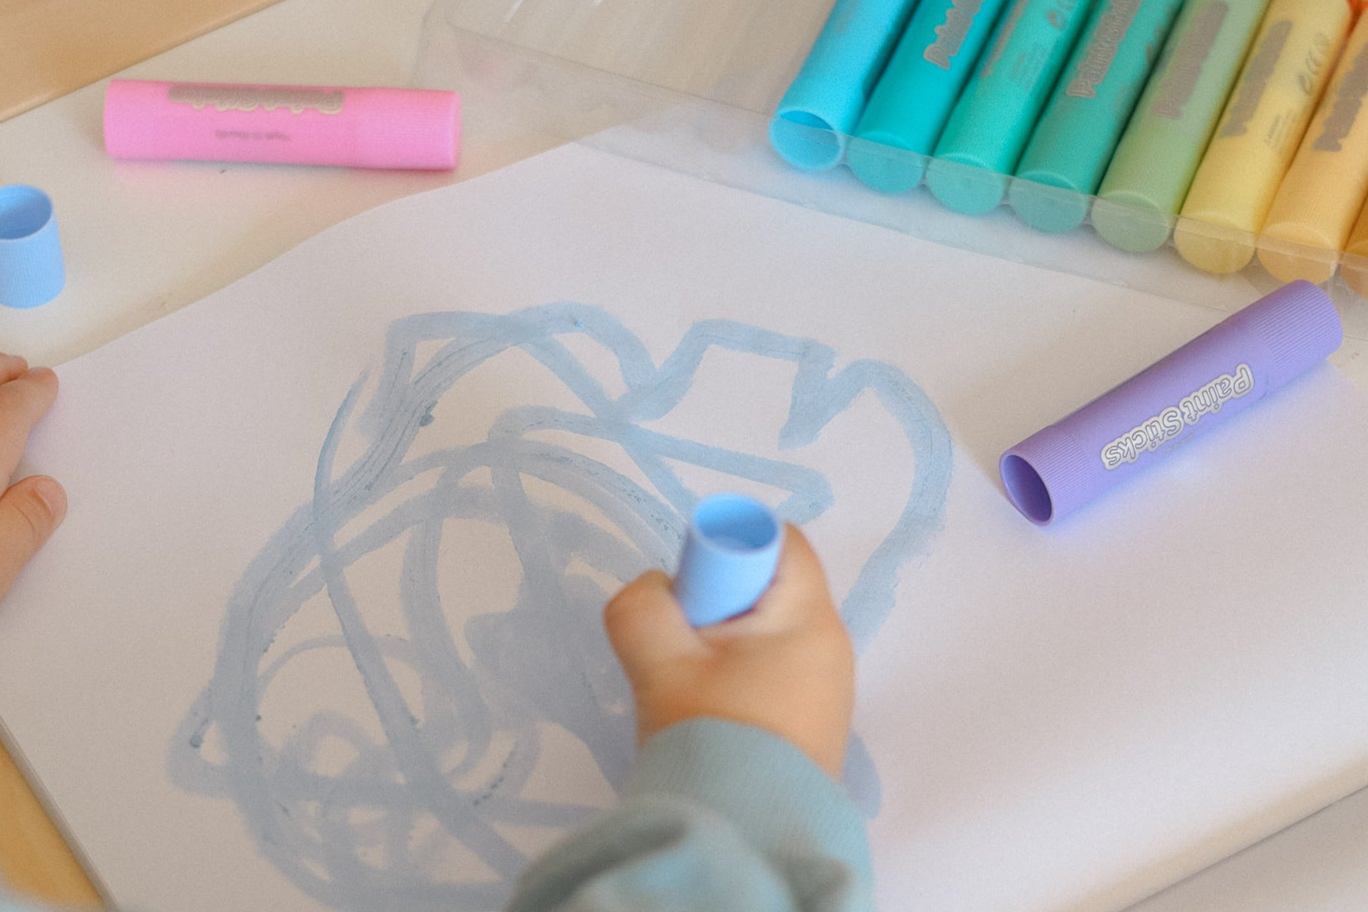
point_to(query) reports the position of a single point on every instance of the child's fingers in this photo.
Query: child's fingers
(12, 366)
(23, 400)
(798, 596)
(30, 511)
(646, 626)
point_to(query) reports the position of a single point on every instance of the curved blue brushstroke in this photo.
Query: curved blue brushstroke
(353, 840)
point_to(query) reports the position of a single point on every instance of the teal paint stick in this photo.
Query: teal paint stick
(993, 118)
(1088, 111)
(1159, 152)
(825, 100)
(913, 98)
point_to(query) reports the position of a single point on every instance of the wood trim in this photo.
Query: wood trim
(51, 47)
(34, 861)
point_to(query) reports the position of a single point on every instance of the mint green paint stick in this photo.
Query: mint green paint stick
(994, 116)
(913, 98)
(1088, 110)
(1149, 175)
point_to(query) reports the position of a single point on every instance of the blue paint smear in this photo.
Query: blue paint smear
(365, 838)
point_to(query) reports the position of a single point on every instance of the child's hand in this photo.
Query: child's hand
(786, 666)
(31, 509)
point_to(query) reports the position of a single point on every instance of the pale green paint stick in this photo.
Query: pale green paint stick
(1150, 173)
(1088, 111)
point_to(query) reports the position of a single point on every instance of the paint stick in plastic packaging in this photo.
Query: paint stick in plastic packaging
(826, 98)
(416, 129)
(1209, 380)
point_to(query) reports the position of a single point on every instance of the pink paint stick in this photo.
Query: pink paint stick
(299, 125)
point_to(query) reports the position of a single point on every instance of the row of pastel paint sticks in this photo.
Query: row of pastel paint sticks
(1230, 126)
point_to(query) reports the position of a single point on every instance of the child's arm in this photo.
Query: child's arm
(734, 803)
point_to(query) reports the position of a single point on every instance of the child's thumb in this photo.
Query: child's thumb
(30, 511)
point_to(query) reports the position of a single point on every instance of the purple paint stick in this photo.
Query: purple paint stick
(1219, 374)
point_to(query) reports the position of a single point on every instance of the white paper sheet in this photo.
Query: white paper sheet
(321, 629)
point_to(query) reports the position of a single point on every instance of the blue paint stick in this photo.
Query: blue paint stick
(913, 98)
(1073, 143)
(993, 118)
(31, 267)
(825, 100)
(729, 557)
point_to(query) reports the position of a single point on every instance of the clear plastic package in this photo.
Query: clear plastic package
(692, 85)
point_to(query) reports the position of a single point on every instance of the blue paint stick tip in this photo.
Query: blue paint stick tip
(31, 267)
(729, 558)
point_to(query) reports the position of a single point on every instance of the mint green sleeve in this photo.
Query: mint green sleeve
(718, 817)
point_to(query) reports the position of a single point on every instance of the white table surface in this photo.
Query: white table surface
(142, 240)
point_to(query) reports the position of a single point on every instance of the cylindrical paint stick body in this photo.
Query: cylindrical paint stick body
(1215, 376)
(1083, 121)
(1322, 193)
(31, 267)
(917, 90)
(1149, 175)
(415, 129)
(1354, 265)
(1259, 131)
(826, 98)
(729, 557)
(992, 120)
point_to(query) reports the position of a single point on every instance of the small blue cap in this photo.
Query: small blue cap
(31, 271)
(729, 558)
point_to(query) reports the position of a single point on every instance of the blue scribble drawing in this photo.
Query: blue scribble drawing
(450, 768)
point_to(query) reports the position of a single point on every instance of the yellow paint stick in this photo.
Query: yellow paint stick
(1270, 106)
(1312, 215)
(1354, 266)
